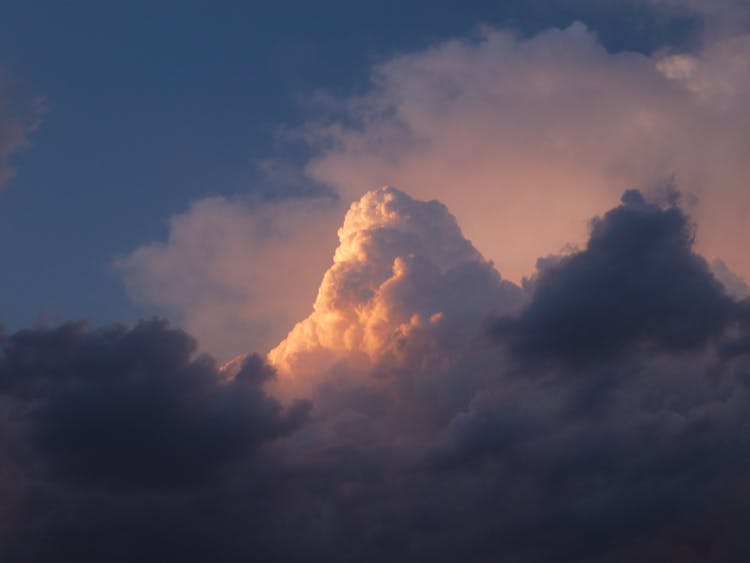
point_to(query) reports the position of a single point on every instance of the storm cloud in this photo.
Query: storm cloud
(105, 427)
(598, 413)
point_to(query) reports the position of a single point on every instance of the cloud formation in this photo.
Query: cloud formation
(525, 138)
(237, 274)
(598, 423)
(598, 413)
(402, 267)
(639, 268)
(429, 409)
(112, 439)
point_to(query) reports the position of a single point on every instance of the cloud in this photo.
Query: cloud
(402, 267)
(110, 434)
(639, 268)
(237, 274)
(601, 418)
(598, 413)
(622, 408)
(595, 411)
(132, 409)
(525, 138)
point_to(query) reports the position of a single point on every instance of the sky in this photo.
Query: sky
(424, 281)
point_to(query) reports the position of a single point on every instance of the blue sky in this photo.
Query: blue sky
(151, 105)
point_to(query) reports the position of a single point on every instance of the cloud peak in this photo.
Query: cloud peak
(402, 266)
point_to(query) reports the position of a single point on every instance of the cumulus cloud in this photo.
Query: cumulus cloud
(639, 268)
(402, 267)
(598, 413)
(525, 138)
(596, 423)
(132, 409)
(428, 409)
(237, 274)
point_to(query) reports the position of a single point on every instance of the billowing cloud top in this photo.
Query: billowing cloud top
(402, 267)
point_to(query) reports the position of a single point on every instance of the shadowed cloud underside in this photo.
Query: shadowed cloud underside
(426, 410)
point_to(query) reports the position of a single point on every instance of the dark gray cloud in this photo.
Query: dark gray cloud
(132, 409)
(116, 442)
(605, 421)
(637, 283)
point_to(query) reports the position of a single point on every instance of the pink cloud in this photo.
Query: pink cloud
(238, 275)
(525, 139)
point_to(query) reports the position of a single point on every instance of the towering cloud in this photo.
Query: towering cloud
(402, 269)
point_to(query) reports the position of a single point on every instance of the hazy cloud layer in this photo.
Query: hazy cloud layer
(237, 274)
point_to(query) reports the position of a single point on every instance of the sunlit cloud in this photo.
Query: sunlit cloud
(403, 273)
(525, 138)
